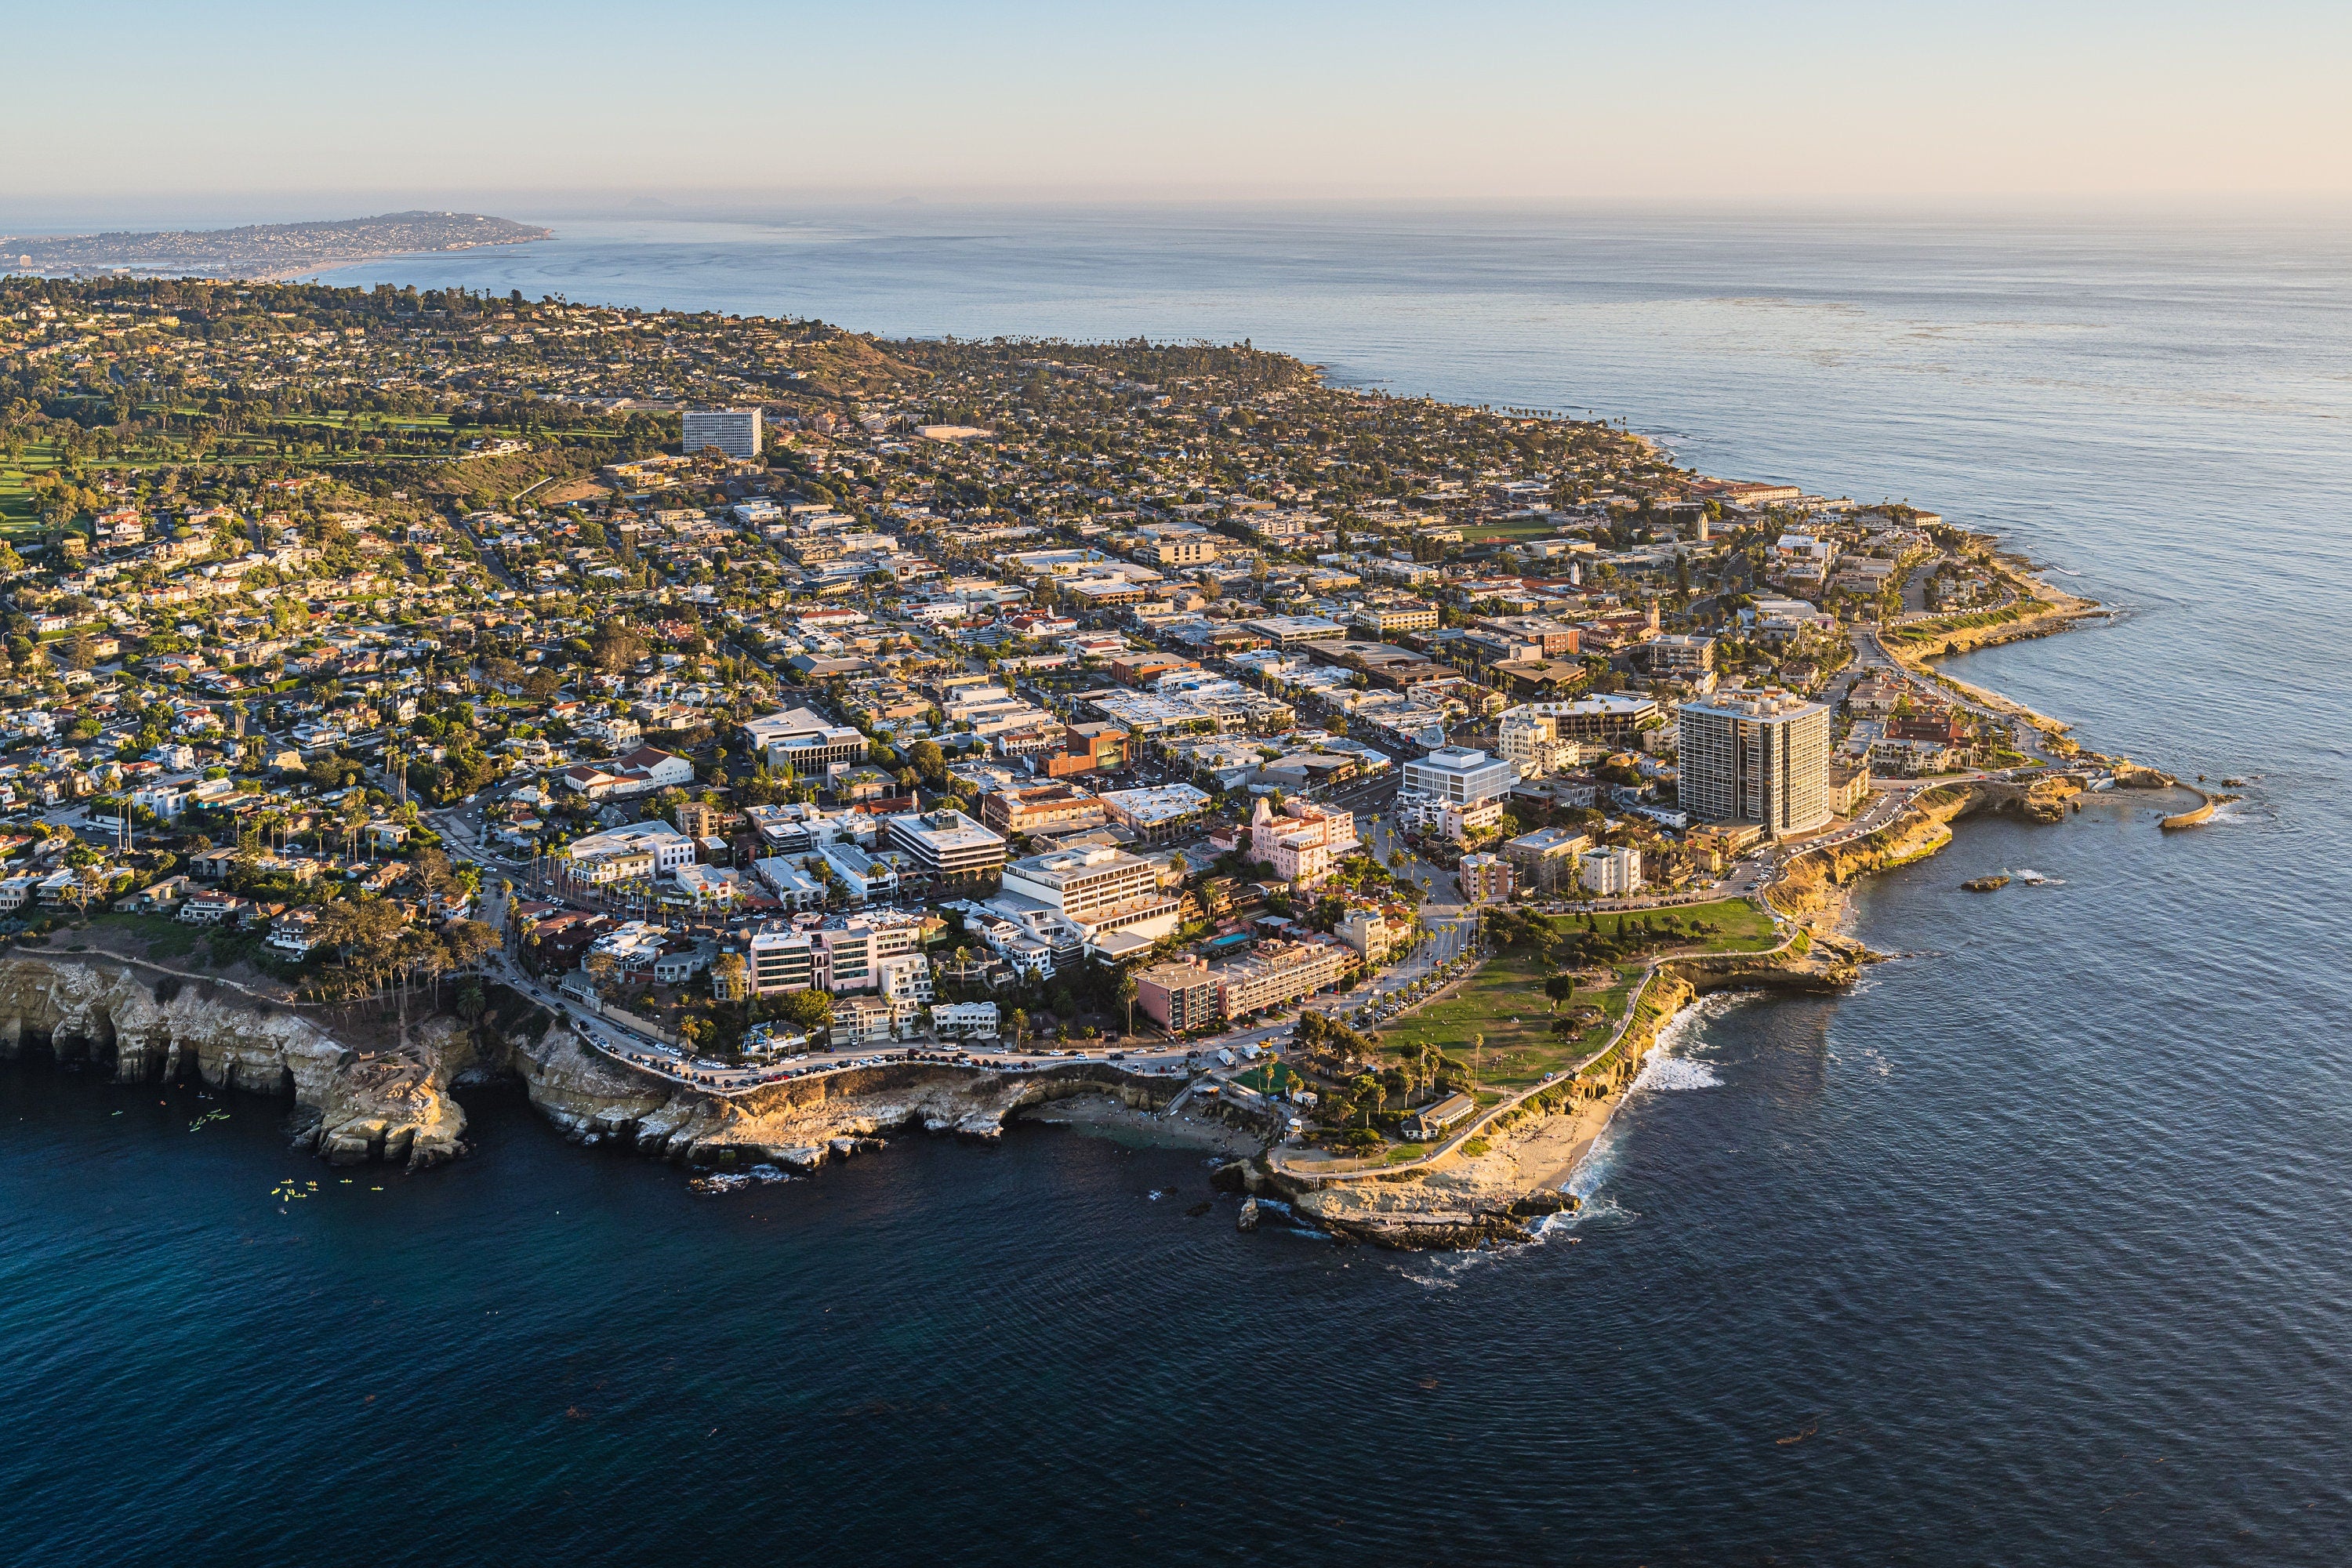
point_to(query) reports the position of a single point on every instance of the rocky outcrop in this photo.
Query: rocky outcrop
(143, 1026)
(353, 1106)
(1921, 829)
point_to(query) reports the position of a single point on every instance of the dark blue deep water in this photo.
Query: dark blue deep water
(2032, 1251)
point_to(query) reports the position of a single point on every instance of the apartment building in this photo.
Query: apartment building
(734, 431)
(1180, 995)
(1276, 973)
(1546, 859)
(1756, 756)
(1485, 878)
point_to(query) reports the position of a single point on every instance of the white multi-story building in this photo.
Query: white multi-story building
(1610, 872)
(846, 954)
(804, 740)
(1756, 756)
(1096, 890)
(947, 846)
(734, 431)
(1458, 777)
(648, 849)
(964, 1017)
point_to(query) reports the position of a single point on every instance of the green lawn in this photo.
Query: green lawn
(16, 507)
(1269, 1078)
(1523, 528)
(1505, 1003)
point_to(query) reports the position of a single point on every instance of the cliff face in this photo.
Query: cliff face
(145, 1028)
(1924, 828)
(802, 1122)
(353, 1106)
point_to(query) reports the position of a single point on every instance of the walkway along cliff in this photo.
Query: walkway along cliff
(353, 1106)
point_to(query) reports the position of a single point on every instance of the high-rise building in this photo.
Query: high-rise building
(734, 431)
(1756, 756)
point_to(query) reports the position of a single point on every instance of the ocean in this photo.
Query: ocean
(2027, 1252)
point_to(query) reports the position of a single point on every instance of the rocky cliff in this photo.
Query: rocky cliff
(142, 1025)
(1808, 881)
(145, 1027)
(802, 1122)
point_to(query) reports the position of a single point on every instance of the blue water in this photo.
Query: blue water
(2030, 1251)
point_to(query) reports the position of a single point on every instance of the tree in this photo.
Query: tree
(1126, 990)
(472, 1002)
(734, 976)
(1018, 1024)
(602, 967)
(469, 942)
(1559, 988)
(808, 1009)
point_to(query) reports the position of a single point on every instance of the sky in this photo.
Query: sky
(237, 111)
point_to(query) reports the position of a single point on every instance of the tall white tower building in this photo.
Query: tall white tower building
(734, 431)
(1757, 757)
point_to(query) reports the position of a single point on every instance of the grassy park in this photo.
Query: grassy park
(1505, 1000)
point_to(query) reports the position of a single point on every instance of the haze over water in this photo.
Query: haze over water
(2030, 1251)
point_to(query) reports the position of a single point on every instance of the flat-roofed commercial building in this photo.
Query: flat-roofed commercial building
(1284, 631)
(804, 740)
(1411, 617)
(1097, 890)
(1191, 550)
(734, 431)
(1158, 809)
(641, 850)
(946, 846)
(1756, 756)
(1042, 808)
(1457, 775)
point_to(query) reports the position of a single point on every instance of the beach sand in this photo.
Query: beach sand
(1550, 1150)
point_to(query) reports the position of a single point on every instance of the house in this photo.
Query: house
(677, 968)
(861, 1020)
(208, 907)
(641, 771)
(294, 934)
(163, 895)
(1433, 1120)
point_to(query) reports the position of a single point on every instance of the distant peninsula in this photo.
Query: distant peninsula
(265, 251)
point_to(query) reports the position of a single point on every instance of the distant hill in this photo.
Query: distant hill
(263, 250)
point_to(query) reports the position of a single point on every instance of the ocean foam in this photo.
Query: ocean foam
(1667, 1072)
